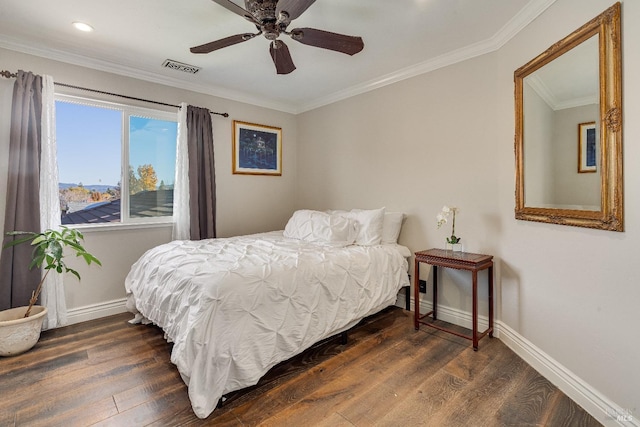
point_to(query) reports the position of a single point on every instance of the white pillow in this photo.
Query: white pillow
(321, 227)
(370, 224)
(391, 226)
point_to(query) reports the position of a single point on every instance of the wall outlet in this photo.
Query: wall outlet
(423, 286)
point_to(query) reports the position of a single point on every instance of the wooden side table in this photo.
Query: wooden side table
(460, 261)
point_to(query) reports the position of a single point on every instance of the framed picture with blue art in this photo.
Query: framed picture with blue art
(257, 149)
(587, 148)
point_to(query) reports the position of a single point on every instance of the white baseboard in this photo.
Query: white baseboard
(595, 403)
(448, 314)
(96, 311)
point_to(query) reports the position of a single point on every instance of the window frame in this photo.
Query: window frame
(126, 111)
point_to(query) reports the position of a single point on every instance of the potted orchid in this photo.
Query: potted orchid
(443, 218)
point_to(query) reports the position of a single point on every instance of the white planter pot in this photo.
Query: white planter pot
(17, 333)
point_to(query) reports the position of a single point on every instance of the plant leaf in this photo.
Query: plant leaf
(72, 271)
(55, 249)
(18, 241)
(38, 239)
(49, 246)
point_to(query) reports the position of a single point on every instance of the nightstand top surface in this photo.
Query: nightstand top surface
(452, 256)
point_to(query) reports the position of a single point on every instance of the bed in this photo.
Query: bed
(235, 307)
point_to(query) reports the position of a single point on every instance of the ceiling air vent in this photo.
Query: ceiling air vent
(179, 66)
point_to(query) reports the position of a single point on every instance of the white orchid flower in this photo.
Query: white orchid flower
(443, 218)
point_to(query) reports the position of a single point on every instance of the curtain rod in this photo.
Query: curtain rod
(8, 74)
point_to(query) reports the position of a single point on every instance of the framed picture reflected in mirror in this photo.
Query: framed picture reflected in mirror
(587, 147)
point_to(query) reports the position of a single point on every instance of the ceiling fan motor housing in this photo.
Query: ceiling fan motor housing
(263, 10)
(264, 13)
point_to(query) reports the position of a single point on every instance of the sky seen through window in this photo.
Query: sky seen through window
(89, 145)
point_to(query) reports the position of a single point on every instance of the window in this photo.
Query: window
(116, 162)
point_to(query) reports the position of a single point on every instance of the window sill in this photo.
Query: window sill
(119, 226)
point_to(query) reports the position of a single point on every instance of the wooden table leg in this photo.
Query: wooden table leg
(416, 295)
(435, 292)
(474, 313)
(491, 301)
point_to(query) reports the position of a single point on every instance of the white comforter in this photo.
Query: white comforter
(236, 307)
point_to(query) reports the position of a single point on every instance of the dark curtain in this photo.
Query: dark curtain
(23, 187)
(202, 177)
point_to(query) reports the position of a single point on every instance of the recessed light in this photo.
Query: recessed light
(82, 26)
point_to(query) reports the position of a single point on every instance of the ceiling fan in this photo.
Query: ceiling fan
(271, 18)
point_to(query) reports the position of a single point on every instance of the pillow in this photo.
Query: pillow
(391, 225)
(370, 225)
(321, 227)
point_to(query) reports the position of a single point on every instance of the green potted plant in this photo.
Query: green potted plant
(20, 327)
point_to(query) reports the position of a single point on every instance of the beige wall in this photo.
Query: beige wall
(538, 151)
(574, 188)
(413, 146)
(550, 150)
(245, 204)
(447, 138)
(573, 292)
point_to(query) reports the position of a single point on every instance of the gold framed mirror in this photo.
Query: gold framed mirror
(569, 121)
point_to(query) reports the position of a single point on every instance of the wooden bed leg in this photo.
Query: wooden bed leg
(407, 298)
(343, 338)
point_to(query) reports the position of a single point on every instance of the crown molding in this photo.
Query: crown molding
(441, 61)
(140, 74)
(577, 102)
(532, 10)
(537, 84)
(523, 18)
(539, 87)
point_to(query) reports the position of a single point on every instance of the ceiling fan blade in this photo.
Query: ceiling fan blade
(294, 8)
(228, 4)
(328, 40)
(219, 44)
(281, 57)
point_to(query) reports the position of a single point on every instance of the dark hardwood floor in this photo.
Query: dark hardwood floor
(108, 372)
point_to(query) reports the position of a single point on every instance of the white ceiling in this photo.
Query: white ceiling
(402, 38)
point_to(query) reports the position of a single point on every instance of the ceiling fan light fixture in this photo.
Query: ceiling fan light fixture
(283, 19)
(82, 26)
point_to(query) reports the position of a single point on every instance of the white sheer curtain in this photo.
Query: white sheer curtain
(181, 218)
(52, 295)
